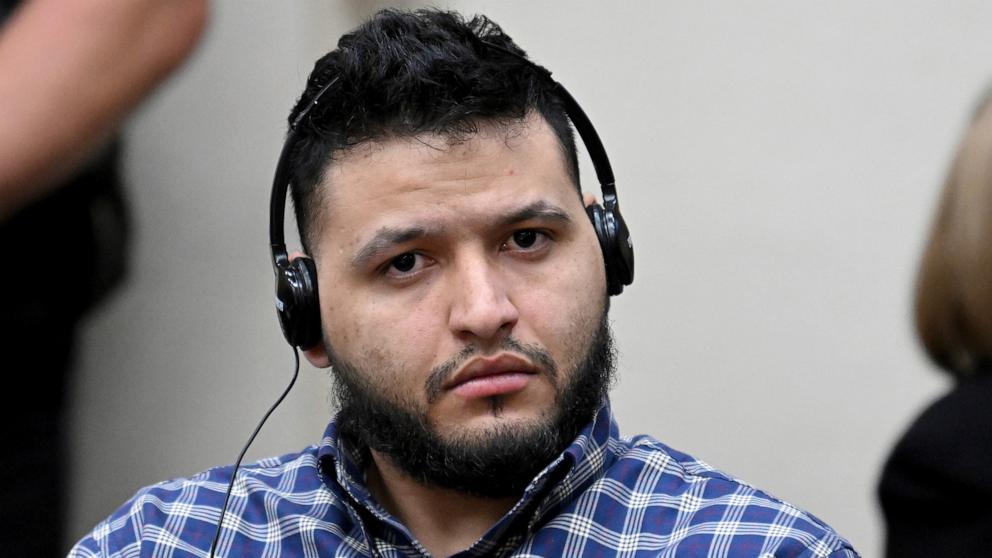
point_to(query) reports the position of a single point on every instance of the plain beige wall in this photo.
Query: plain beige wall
(778, 163)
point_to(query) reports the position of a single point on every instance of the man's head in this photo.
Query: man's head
(462, 288)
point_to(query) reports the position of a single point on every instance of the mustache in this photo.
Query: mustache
(533, 353)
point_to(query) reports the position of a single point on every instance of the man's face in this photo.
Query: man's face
(462, 281)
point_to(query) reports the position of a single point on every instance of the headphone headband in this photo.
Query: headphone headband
(280, 185)
(587, 132)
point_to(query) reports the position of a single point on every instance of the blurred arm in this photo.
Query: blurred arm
(70, 71)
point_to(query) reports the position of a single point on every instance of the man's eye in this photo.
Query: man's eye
(526, 240)
(404, 263)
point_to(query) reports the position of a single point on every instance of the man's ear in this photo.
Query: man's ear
(317, 355)
(588, 199)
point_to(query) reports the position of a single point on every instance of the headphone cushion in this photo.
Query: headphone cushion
(298, 303)
(614, 242)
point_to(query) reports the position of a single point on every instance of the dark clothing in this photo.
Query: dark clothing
(937, 484)
(61, 255)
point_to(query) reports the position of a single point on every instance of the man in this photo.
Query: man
(463, 308)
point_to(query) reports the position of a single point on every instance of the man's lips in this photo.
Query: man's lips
(485, 377)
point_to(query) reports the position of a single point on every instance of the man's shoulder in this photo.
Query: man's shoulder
(649, 452)
(682, 501)
(287, 474)
(183, 512)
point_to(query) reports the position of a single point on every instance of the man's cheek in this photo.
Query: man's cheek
(551, 319)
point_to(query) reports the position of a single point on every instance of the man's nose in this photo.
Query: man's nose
(481, 306)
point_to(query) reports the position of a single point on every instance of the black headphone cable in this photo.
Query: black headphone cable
(237, 464)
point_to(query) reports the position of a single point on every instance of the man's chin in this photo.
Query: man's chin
(482, 428)
(493, 457)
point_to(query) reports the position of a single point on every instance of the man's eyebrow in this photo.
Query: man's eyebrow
(383, 240)
(538, 210)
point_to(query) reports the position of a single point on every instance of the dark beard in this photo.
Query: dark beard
(498, 463)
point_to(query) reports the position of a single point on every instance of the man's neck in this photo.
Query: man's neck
(444, 521)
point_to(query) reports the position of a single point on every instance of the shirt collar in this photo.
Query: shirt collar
(586, 459)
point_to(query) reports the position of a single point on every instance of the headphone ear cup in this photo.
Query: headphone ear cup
(297, 303)
(615, 243)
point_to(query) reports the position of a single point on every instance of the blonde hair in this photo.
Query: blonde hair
(954, 285)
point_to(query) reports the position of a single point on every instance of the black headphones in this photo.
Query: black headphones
(296, 280)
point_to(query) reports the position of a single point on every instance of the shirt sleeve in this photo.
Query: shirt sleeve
(117, 536)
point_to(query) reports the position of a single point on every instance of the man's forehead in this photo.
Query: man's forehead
(391, 174)
(481, 135)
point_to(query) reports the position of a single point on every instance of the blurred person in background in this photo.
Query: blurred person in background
(70, 73)
(937, 483)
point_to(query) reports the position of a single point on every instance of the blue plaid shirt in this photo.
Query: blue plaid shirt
(603, 496)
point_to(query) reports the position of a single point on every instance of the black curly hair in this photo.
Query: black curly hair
(405, 73)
